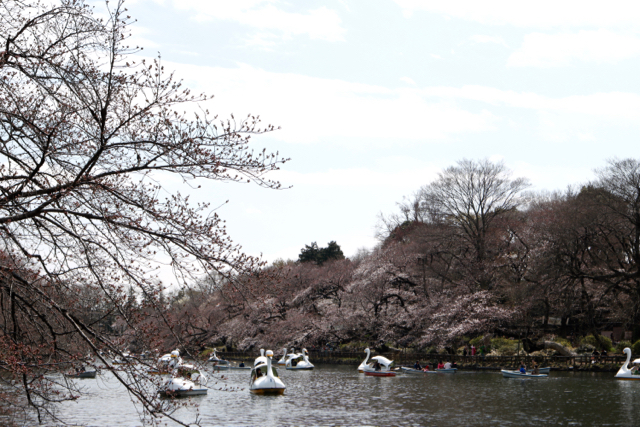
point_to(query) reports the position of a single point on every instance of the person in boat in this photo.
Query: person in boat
(536, 370)
(426, 368)
(523, 368)
(258, 373)
(440, 365)
(241, 364)
(447, 365)
(377, 366)
(417, 365)
(454, 365)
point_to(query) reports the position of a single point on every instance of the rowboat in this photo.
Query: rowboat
(517, 374)
(442, 371)
(408, 370)
(86, 374)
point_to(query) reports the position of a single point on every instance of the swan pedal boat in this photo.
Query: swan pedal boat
(301, 362)
(85, 374)
(517, 374)
(283, 360)
(186, 380)
(625, 373)
(264, 377)
(384, 370)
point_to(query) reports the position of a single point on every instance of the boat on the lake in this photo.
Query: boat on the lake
(625, 373)
(517, 374)
(299, 362)
(85, 374)
(283, 359)
(379, 366)
(408, 370)
(167, 363)
(239, 368)
(186, 380)
(442, 371)
(264, 377)
(366, 359)
(218, 363)
(123, 359)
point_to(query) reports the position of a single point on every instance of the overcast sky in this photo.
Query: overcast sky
(374, 97)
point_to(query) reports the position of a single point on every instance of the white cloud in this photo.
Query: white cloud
(620, 105)
(309, 109)
(541, 13)
(488, 39)
(321, 23)
(553, 50)
(408, 80)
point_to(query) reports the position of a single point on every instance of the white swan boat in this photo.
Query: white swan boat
(167, 363)
(517, 374)
(186, 380)
(380, 366)
(264, 377)
(366, 359)
(625, 373)
(283, 360)
(300, 362)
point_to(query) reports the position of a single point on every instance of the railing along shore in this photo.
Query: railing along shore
(406, 358)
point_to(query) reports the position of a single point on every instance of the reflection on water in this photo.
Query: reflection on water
(339, 395)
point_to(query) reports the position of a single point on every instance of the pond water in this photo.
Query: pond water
(339, 395)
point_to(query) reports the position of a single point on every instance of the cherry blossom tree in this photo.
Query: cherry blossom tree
(88, 133)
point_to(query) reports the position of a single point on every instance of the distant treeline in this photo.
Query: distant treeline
(471, 253)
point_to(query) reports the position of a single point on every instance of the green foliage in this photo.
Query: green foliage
(319, 255)
(505, 346)
(622, 345)
(477, 341)
(206, 352)
(636, 347)
(563, 341)
(590, 339)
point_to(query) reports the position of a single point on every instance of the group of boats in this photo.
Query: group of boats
(186, 379)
